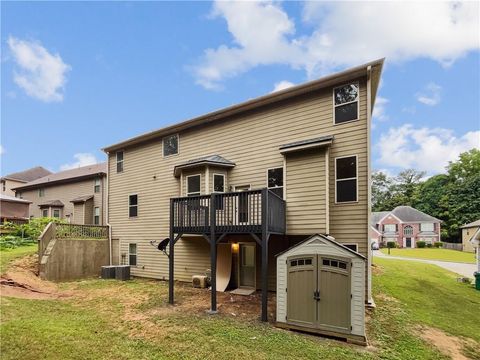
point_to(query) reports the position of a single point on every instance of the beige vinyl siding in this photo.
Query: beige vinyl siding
(78, 213)
(9, 185)
(88, 219)
(65, 193)
(306, 200)
(252, 142)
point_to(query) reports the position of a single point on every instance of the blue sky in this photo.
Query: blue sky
(77, 77)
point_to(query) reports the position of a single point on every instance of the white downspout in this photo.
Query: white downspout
(107, 194)
(369, 190)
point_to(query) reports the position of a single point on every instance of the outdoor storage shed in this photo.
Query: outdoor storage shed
(321, 289)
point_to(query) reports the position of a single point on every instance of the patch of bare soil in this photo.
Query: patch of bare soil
(376, 270)
(447, 344)
(385, 297)
(21, 281)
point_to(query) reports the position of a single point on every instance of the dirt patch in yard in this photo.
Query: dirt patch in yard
(21, 281)
(449, 345)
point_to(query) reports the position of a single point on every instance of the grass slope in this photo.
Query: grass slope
(431, 296)
(433, 254)
(7, 255)
(130, 320)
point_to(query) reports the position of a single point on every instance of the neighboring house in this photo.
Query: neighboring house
(404, 225)
(77, 195)
(468, 230)
(10, 181)
(260, 176)
(13, 209)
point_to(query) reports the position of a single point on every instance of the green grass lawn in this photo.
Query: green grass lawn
(433, 254)
(7, 255)
(131, 320)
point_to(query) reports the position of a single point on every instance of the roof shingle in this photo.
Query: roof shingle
(28, 175)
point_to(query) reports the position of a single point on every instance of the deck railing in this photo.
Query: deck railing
(76, 231)
(233, 212)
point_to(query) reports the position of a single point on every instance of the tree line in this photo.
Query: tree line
(453, 197)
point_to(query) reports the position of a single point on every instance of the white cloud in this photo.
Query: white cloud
(431, 95)
(282, 85)
(82, 159)
(379, 111)
(41, 74)
(424, 149)
(345, 34)
(2, 150)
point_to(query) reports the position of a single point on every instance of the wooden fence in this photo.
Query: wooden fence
(453, 246)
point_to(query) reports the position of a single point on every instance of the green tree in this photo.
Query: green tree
(466, 166)
(381, 184)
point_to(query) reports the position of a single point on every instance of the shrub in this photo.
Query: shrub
(438, 244)
(421, 244)
(12, 241)
(391, 244)
(429, 245)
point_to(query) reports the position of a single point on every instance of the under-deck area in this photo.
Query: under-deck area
(258, 213)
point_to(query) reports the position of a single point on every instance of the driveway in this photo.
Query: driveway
(463, 269)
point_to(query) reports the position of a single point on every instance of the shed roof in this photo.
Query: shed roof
(278, 96)
(9, 198)
(82, 199)
(28, 175)
(472, 224)
(67, 176)
(308, 143)
(56, 203)
(216, 160)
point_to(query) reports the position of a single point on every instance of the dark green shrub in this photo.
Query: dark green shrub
(391, 244)
(438, 244)
(429, 245)
(421, 244)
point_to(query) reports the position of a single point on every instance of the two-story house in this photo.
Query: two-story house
(244, 183)
(11, 181)
(405, 226)
(77, 195)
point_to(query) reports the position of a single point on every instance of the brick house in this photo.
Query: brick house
(405, 225)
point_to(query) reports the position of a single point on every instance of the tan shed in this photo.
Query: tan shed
(321, 289)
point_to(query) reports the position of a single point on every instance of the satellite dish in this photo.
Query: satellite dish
(162, 246)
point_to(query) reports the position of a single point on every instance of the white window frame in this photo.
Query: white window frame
(196, 193)
(213, 183)
(358, 103)
(356, 178)
(119, 161)
(95, 215)
(277, 187)
(408, 227)
(41, 192)
(427, 223)
(178, 145)
(59, 213)
(130, 254)
(389, 231)
(95, 185)
(132, 217)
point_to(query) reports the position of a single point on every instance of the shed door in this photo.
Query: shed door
(302, 283)
(335, 294)
(319, 292)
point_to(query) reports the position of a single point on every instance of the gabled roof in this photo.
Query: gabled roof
(81, 199)
(57, 203)
(472, 224)
(27, 175)
(409, 214)
(331, 80)
(216, 160)
(9, 198)
(377, 216)
(67, 176)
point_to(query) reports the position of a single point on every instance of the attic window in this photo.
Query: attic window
(170, 145)
(346, 103)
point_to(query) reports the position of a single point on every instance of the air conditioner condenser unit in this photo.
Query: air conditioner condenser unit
(199, 281)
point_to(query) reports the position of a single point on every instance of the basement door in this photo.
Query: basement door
(319, 292)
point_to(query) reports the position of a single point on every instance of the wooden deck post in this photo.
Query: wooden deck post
(171, 257)
(213, 257)
(265, 237)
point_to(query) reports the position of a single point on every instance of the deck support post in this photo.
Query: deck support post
(171, 258)
(265, 236)
(213, 257)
